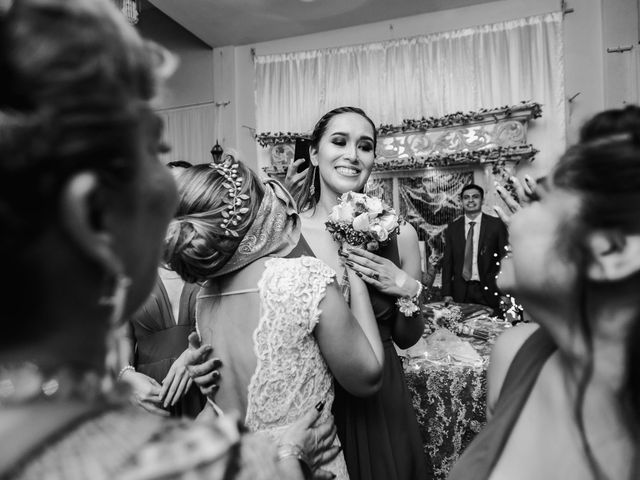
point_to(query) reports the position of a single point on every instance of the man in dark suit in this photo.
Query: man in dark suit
(474, 245)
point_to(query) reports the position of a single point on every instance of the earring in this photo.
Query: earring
(312, 189)
(117, 299)
(116, 337)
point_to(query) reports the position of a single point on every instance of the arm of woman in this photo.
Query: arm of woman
(502, 354)
(408, 329)
(350, 343)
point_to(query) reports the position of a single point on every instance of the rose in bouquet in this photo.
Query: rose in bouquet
(363, 221)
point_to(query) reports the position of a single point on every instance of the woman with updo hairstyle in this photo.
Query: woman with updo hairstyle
(564, 393)
(84, 207)
(277, 321)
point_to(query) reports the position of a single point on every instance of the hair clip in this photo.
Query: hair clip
(232, 214)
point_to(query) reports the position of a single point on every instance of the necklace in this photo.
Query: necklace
(26, 383)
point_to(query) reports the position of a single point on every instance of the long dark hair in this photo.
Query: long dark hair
(605, 173)
(307, 197)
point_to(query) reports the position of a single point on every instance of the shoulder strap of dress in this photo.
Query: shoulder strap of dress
(42, 429)
(233, 292)
(480, 458)
(527, 363)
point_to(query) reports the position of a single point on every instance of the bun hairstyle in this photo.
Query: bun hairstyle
(305, 199)
(197, 244)
(76, 85)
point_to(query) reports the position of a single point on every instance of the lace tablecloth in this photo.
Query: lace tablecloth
(449, 396)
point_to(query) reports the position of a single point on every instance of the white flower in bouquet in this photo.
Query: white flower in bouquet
(361, 223)
(389, 222)
(342, 213)
(375, 206)
(380, 232)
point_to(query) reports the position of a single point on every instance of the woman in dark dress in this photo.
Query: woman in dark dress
(159, 339)
(379, 434)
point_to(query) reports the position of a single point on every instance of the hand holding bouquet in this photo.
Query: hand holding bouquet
(363, 221)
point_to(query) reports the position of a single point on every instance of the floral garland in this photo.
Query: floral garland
(267, 139)
(496, 155)
(489, 155)
(460, 118)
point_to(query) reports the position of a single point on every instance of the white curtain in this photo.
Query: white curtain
(190, 131)
(481, 67)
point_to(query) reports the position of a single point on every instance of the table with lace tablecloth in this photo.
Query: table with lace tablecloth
(449, 398)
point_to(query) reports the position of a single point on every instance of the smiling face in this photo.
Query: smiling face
(472, 201)
(345, 154)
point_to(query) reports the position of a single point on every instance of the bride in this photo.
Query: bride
(280, 325)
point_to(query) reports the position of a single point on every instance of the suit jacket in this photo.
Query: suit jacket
(491, 248)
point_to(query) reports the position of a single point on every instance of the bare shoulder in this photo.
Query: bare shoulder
(502, 354)
(407, 236)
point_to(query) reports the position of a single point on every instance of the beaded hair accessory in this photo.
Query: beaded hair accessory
(233, 212)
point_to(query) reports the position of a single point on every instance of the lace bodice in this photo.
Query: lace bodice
(291, 375)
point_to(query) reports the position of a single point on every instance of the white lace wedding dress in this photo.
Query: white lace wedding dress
(291, 376)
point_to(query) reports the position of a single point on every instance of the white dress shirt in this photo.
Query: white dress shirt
(476, 239)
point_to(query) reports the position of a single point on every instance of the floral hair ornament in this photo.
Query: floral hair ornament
(232, 214)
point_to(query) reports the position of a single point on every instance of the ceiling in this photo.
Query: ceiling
(240, 22)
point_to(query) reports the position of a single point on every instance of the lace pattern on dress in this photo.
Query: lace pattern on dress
(291, 374)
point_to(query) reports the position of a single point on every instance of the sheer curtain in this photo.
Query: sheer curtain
(481, 67)
(190, 133)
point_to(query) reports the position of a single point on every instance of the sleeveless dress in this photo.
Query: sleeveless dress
(160, 340)
(481, 456)
(290, 375)
(379, 434)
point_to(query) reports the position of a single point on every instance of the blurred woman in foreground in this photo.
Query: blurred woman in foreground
(563, 396)
(84, 206)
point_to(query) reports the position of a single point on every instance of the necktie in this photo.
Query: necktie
(468, 253)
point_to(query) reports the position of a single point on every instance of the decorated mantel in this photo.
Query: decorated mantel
(421, 165)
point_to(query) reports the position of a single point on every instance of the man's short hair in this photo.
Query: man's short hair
(179, 164)
(472, 186)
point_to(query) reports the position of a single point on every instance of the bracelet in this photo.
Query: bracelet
(410, 305)
(126, 368)
(286, 450)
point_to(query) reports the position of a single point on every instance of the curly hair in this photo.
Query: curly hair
(75, 91)
(196, 244)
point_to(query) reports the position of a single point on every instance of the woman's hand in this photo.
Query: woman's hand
(202, 367)
(294, 179)
(380, 272)
(145, 391)
(525, 193)
(316, 441)
(177, 381)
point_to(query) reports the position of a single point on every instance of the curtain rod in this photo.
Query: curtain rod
(201, 104)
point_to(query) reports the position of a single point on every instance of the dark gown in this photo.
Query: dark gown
(160, 340)
(481, 456)
(379, 434)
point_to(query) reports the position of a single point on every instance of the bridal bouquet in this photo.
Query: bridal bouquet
(363, 221)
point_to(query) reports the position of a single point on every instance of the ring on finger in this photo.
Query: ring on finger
(375, 275)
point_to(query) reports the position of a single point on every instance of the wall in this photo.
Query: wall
(620, 29)
(192, 83)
